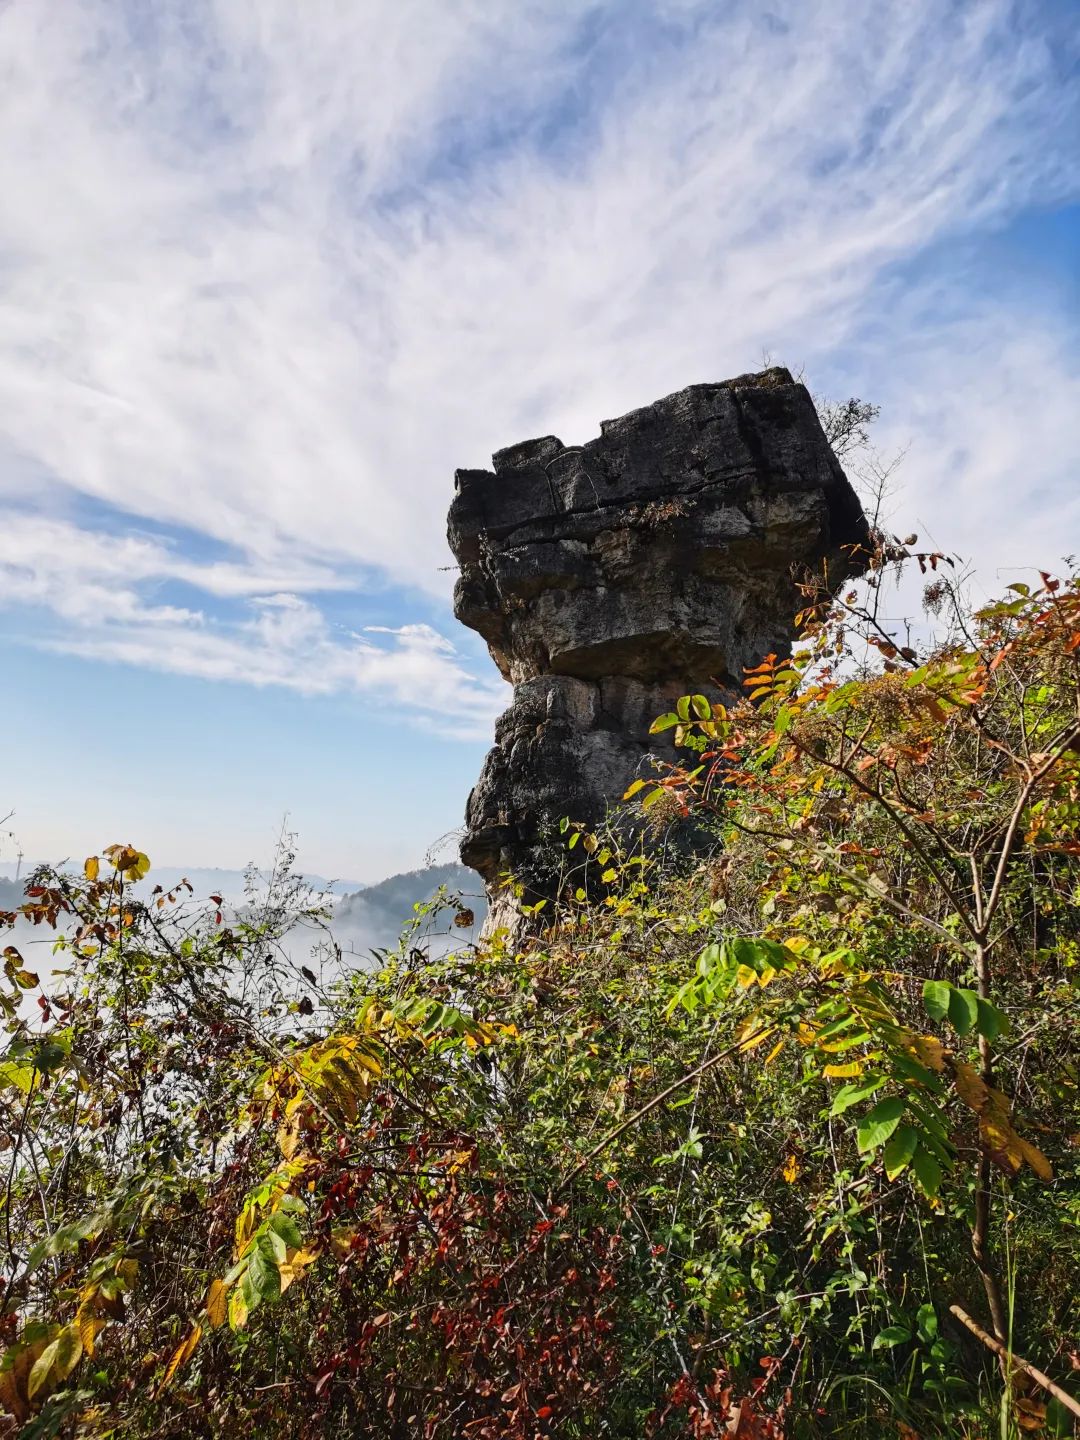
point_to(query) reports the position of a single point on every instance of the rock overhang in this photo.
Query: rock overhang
(654, 559)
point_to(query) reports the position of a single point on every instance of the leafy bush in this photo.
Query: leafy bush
(780, 1142)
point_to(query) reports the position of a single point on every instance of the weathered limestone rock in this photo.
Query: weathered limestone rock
(610, 578)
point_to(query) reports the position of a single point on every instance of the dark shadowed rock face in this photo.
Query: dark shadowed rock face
(612, 577)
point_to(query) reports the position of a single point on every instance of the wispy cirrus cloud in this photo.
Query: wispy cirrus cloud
(273, 271)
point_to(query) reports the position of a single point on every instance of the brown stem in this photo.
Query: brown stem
(984, 916)
(980, 1231)
(1006, 1356)
(912, 838)
(1062, 744)
(980, 1248)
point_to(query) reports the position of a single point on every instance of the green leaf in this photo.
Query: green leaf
(15, 1076)
(927, 1172)
(67, 1237)
(935, 994)
(837, 1027)
(849, 1095)
(879, 1123)
(702, 708)
(287, 1228)
(683, 708)
(709, 959)
(899, 1150)
(926, 1323)
(1058, 1419)
(663, 722)
(49, 1056)
(905, 1068)
(990, 1022)
(263, 1271)
(963, 1010)
(890, 1336)
(56, 1361)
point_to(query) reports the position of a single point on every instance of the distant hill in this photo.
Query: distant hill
(379, 912)
(11, 894)
(371, 917)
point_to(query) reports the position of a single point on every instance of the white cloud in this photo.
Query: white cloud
(986, 416)
(94, 586)
(270, 271)
(285, 641)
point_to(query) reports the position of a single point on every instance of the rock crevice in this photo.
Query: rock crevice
(612, 577)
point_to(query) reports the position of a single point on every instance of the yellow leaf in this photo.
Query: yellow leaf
(181, 1355)
(89, 1328)
(56, 1361)
(128, 1271)
(928, 1051)
(216, 1303)
(844, 1042)
(295, 1263)
(17, 1367)
(341, 1242)
(246, 1225)
(844, 1072)
(791, 1169)
(238, 1310)
(774, 1052)
(1004, 1146)
(288, 1135)
(11, 1398)
(750, 1036)
(1037, 1160)
(91, 868)
(969, 1085)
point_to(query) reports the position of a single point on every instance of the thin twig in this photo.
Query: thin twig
(613, 1135)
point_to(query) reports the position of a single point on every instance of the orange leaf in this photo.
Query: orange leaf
(181, 1355)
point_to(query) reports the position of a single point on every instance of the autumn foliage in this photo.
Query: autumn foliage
(727, 1146)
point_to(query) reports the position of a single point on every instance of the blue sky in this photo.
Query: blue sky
(269, 272)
